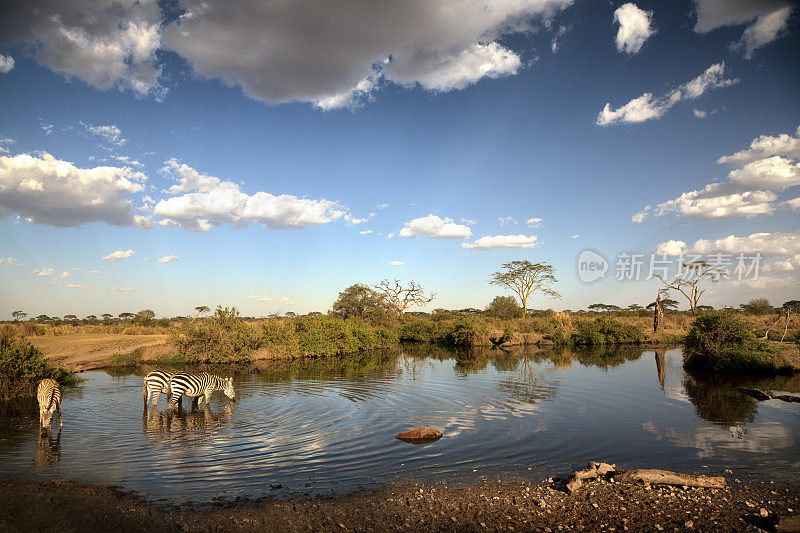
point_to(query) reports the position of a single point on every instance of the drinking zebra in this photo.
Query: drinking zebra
(197, 385)
(154, 384)
(48, 394)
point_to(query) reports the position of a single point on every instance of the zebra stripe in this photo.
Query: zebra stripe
(197, 385)
(154, 384)
(48, 394)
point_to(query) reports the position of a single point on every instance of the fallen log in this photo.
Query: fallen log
(592, 471)
(758, 394)
(646, 476)
(787, 398)
(666, 477)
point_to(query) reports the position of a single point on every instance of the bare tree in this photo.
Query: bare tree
(524, 278)
(399, 298)
(689, 284)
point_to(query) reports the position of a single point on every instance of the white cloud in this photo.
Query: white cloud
(49, 191)
(555, 43)
(765, 146)
(638, 218)
(75, 286)
(396, 263)
(576, 236)
(9, 261)
(635, 27)
(110, 133)
(43, 271)
(105, 44)
(766, 19)
(534, 222)
(124, 289)
(671, 248)
(436, 228)
(168, 259)
(6, 64)
(493, 242)
(5, 141)
(765, 243)
(335, 54)
(119, 254)
(47, 129)
(382, 206)
(468, 221)
(210, 201)
(647, 107)
(700, 114)
(507, 221)
(365, 232)
(65, 275)
(750, 189)
(788, 264)
(268, 298)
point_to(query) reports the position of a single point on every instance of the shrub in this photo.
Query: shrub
(323, 336)
(465, 332)
(606, 330)
(721, 341)
(22, 366)
(223, 338)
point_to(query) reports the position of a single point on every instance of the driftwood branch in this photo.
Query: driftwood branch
(761, 395)
(590, 472)
(664, 477)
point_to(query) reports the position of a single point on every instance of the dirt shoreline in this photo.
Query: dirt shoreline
(489, 506)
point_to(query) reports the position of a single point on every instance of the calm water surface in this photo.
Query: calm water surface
(313, 429)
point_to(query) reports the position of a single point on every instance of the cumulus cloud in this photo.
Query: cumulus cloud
(4, 142)
(671, 248)
(534, 222)
(785, 145)
(494, 242)
(209, 201)
(700, 114)
(105, 44)
(436, 228)
(43, 271)
(764, 243)
(396, 263)
(119, 254)
(110, 133)
(46, 190)
(6, 64)
(785, 265)
(751, 188)
(635, 27)
(335, 54)
(168, 259)
(648, 107)
(766, 20)
(9, 261)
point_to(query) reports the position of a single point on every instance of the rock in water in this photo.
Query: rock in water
(420, 436)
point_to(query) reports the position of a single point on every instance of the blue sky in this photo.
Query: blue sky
(270, 157)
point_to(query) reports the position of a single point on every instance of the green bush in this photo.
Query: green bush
(465, 332)
(606, 330)
(720, 341)
(321, 336)
(22, 365)
(224, 338)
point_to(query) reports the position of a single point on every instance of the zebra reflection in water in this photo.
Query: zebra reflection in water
(198, 424)
(48, 449)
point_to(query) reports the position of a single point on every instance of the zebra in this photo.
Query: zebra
(198, 385)
(154, 384)
(48, 394)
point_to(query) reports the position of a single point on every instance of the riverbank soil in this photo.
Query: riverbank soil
(89, 351)
(479, 506)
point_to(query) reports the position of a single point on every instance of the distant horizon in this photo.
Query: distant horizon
(158, 156)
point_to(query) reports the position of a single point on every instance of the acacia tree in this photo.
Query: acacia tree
(524, 278)
(399, 299)
(358, 300)
(689, 283)
(19, 315)
(603, 307)
(201, 309)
